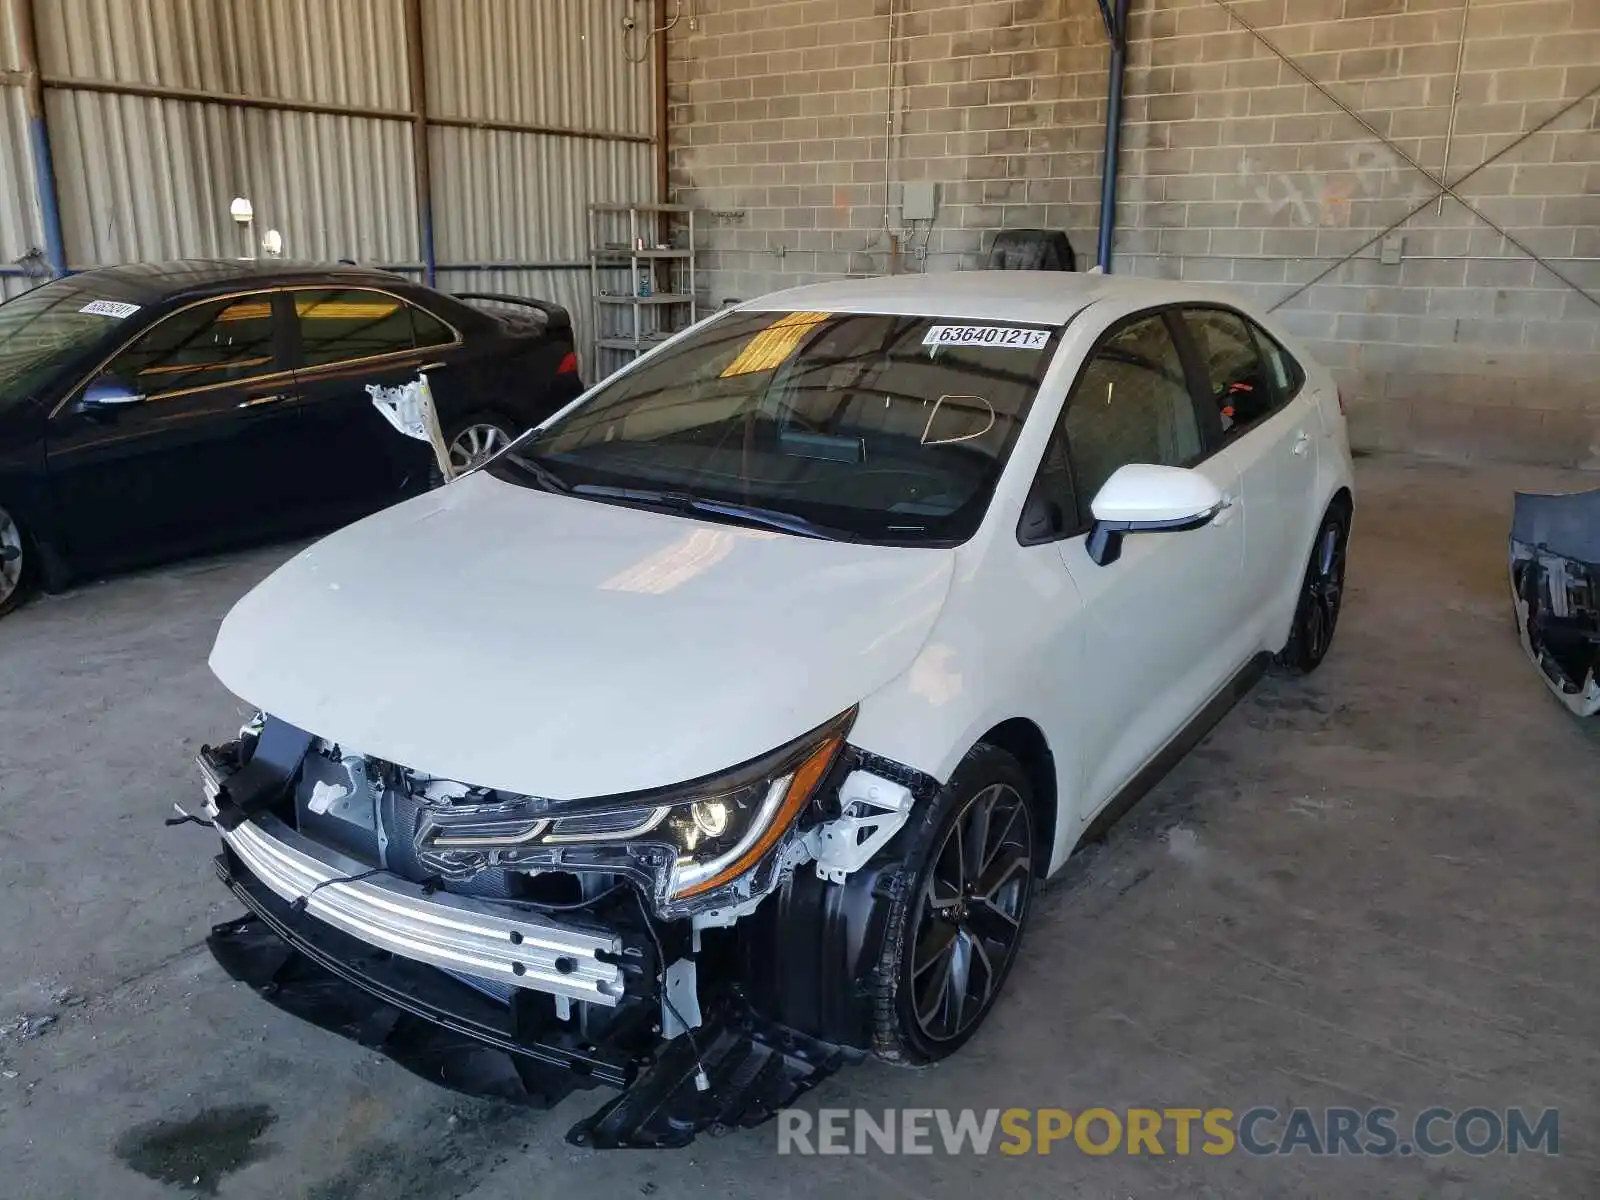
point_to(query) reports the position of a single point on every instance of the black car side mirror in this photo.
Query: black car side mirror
(106, 393)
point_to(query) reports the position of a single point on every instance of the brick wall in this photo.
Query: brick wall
(788, 117)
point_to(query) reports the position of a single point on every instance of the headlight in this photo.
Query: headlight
(723, 825)
(714, 829)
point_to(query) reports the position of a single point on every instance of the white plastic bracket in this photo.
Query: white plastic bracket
(873, 809)
(680, 1006)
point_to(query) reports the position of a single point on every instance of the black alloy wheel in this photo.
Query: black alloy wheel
(1321, 597)
(958, 921)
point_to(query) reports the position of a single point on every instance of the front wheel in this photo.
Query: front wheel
(14, 565)
(1316, 615)
(958, 915)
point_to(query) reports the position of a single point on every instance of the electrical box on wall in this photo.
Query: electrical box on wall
(918, 201)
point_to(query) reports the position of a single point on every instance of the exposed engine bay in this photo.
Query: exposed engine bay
(1555, 584)
(689, 946)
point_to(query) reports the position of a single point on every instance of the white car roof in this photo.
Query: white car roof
(1036, 297)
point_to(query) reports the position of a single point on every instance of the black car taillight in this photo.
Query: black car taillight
(569, 364)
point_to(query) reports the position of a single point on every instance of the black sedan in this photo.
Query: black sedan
(154, 410)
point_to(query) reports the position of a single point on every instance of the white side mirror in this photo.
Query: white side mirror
(1146, 498)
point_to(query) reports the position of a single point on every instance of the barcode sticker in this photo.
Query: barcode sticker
(1007, 336)
(110, 308)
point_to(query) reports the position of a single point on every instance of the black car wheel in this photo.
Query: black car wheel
(475, 439)
(957, 921)
(13, 562)
(1321, 597)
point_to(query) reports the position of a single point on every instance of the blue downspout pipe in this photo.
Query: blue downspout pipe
(44, 167)
(430, 258)
(1117, 32)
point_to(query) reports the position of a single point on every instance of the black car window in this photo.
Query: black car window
(429, 330)
(1238, 378)
(221, 341)
(347, 323)
(42, 332)
(1130, 405)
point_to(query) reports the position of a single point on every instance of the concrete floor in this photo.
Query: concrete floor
(1377, 886)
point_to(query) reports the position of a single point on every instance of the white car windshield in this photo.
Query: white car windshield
(880, 428)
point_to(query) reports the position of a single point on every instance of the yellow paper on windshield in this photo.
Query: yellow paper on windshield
(769, 348)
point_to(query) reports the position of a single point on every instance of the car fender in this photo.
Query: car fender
(1004, 647)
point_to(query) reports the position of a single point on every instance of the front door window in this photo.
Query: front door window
(1130, 405)
(218, 342)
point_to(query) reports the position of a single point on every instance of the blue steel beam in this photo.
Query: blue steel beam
(1117, 34)
(44, 168)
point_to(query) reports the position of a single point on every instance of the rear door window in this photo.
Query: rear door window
(1287, 374)
(350, 324)
(1242, 382)
(428, 330)
(221, 341)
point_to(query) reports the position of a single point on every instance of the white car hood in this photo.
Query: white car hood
(559, 647)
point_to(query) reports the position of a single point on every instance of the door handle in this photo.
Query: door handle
(1302, 443)
(433, 366)
(257, 401)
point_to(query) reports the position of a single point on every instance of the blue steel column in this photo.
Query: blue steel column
(44, 167)
(1117, 32)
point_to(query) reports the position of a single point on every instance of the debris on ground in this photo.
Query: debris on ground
(26, 1026)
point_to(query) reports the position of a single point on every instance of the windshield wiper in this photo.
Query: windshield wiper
(684, 502)
(542, 475)
(773, 518)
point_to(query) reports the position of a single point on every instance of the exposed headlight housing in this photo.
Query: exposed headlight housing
(708, 833)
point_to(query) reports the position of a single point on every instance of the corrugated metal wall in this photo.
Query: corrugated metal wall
(19, 205)
(478, 76)
(161, 111)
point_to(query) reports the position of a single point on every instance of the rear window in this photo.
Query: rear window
(892, 428)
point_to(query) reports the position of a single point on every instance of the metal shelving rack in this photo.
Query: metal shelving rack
(631, 246)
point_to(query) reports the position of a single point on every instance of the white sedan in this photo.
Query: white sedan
(757, 689)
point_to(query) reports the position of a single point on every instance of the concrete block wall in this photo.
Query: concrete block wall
(792, 125)
(789, 116)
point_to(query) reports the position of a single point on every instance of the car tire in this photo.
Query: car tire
(948, 949)
(1316, 611)
(16, 563)
(474, 437)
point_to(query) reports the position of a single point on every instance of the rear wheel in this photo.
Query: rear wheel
(15, 570)
(475, 438)
(1321, 597)
(957, 919)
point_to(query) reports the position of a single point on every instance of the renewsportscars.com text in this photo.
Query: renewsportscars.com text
(1257, 1131)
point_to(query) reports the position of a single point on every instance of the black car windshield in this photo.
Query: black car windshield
(41, 329)
(881, 428)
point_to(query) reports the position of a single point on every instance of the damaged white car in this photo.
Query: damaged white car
(717, 732)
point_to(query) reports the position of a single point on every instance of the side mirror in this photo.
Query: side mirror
(108, 392)
(1145, 498)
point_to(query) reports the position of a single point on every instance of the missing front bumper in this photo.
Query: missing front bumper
(450, 1034)
(505, 946)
